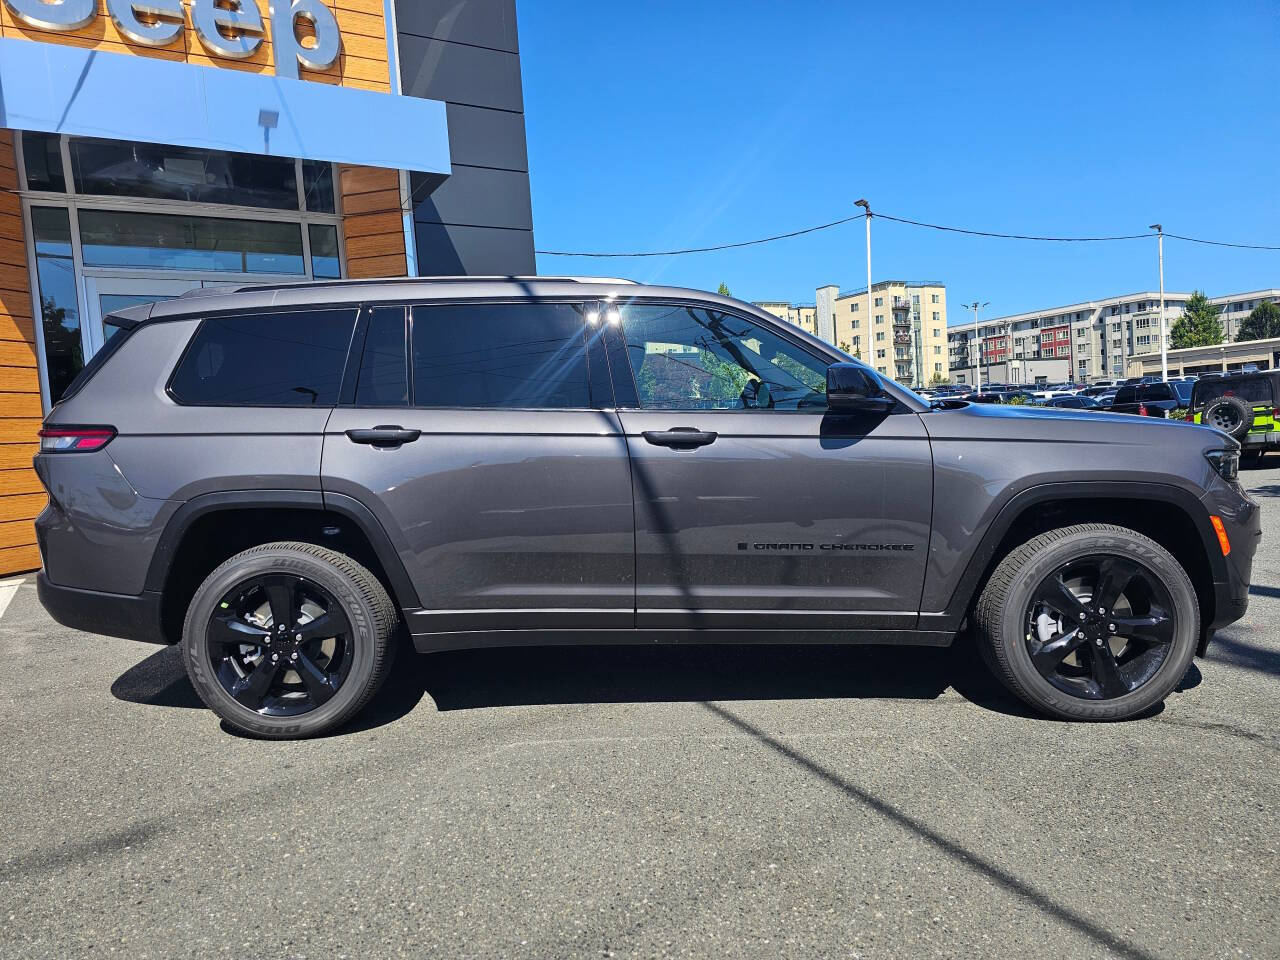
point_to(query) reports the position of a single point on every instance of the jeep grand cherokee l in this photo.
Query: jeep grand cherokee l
(281, 477)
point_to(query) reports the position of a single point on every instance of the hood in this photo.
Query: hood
(990, 421)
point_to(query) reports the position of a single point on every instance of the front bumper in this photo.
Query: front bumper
(1242, 520)
(111, 614)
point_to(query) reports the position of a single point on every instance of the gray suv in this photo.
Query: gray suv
(284, 478)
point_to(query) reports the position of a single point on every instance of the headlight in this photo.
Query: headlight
(1226, 462)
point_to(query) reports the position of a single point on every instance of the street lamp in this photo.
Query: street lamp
(867, 207)
(975, 306)
(1164, 344)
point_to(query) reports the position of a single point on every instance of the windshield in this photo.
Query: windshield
(1250, 390)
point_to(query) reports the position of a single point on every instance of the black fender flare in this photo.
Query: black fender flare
(967, 587)
(406, 595)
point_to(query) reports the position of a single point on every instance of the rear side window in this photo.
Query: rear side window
(291, 359)
(513, 355)
(1157, 391)
(1127, 395)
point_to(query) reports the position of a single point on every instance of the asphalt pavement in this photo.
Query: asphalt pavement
(642, 802)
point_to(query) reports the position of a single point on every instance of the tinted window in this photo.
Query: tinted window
(121, 168)
(274, 360)
(1250, 390)
(690, 358)
(512, 355)
(384, 369)
(1157, 391)
(1127, 395)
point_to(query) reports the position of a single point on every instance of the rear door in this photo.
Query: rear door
(482, 436)
(755, 506)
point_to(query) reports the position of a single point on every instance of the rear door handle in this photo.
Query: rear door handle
(680, 437)
(384, 436)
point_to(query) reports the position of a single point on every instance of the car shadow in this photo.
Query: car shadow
(677, 673)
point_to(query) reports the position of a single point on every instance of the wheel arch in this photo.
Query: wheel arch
(1173, 517)
(208, 529)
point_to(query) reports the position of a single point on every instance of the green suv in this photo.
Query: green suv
(1243, 405)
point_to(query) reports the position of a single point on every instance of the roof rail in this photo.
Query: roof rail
(238, 288)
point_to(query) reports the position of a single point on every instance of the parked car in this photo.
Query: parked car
(1104, 400)
(1076, 402)
(1244, 406)
(1096, 391)
(285, 478)
(1158, 399)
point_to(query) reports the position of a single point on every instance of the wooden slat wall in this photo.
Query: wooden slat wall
(372, 222)
(21, 496)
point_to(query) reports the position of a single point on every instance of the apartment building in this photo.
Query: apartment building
(1086, 341)
(904, 337)
(800, 315)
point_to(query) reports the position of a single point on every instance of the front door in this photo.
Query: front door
(755, 506)
(491, 456)
(105, 295)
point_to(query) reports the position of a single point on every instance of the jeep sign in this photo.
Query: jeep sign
(228, 28)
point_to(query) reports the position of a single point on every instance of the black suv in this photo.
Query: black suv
(281, 477)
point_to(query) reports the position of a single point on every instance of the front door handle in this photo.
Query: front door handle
(384, 436)
(680, 437)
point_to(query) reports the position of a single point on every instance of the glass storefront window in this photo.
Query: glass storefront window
(317, 186)
(325, 263)
(42, 161)
(119, 169)
(59, 307)
(159, 241)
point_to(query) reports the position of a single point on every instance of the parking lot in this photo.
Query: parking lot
(679, 801)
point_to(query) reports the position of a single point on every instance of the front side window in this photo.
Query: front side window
(500, 355)
(691, 358)
(293, 359)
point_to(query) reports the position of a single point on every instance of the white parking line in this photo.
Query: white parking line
(7, 589)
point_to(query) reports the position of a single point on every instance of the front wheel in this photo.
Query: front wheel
(288, 640)
(1089, 622)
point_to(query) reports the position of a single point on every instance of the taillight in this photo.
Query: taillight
(74, 439)
(1142, 409)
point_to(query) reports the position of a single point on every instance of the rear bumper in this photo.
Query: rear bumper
(1255, 440)
(111, 614)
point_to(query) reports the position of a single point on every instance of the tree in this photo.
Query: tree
(1263, 322)
(938, 379)
(1198, 326)
(724, 290)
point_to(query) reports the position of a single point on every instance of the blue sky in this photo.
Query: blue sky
(662, 125)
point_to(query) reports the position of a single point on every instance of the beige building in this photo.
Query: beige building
(1223, 358)
(904, 337)
(799, 315)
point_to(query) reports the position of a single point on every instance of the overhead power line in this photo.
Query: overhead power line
(904, 220)
(721, 246)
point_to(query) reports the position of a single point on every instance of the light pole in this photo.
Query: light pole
(975, 306)
(867, 207)
(1164, 344)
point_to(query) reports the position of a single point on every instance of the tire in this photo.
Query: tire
(292, 707)
(1007, 631)
(1231, 415)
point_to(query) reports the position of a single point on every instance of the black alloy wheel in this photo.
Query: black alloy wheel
(1100, 626)
(279, 644)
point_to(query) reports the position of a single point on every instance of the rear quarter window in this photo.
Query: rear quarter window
(1127, 395)
(291, 359)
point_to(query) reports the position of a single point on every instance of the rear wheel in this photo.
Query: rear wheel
(288, 640)
(1090, 622)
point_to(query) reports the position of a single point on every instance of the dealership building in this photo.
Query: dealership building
(149, 148)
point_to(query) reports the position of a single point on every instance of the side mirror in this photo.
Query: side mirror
(852, 388)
